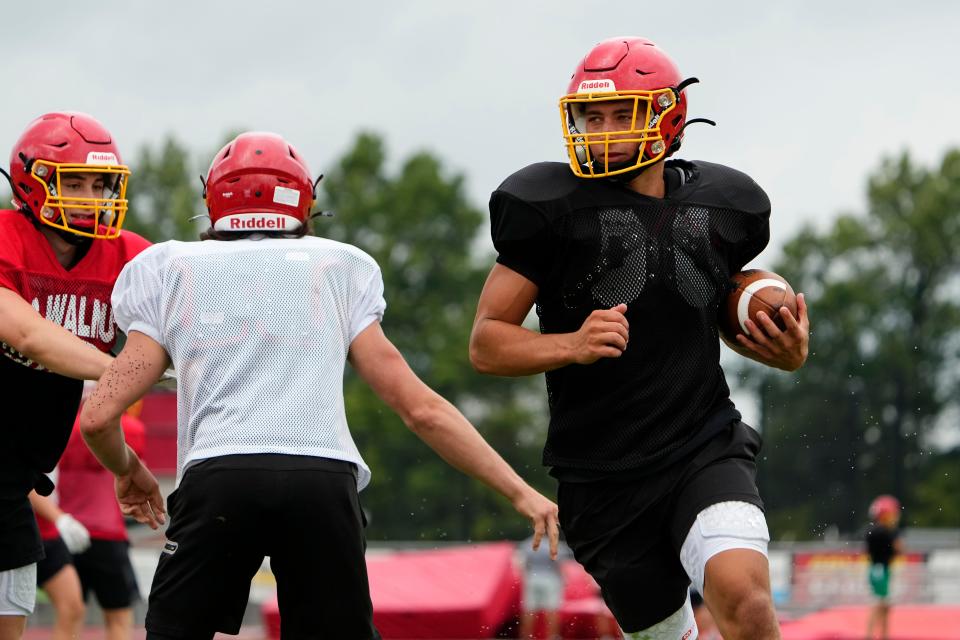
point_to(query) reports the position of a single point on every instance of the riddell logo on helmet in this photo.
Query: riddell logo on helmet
(596, 86)
(101, 157)
(257, 222)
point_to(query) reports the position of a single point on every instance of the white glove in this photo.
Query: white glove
(74, 534)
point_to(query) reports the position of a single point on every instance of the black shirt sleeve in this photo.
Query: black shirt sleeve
(741, 206)
(522, 236)
(757, 226)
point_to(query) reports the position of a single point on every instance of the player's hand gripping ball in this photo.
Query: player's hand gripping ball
(752, 291)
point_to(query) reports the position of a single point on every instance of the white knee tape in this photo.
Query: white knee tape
(721, 527)
(679, 626)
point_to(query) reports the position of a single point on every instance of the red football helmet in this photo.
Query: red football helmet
(884, 507)
(646, 82)
(57, 151)
(258, 182)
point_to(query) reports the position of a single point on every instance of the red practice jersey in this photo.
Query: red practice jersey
(78, 298)
(42, 404)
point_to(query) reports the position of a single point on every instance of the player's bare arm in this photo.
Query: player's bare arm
(499, 345)
(47, 343)
(140, 364)
(445, 430)
(769, 345)
(45, 507)
(72, 532)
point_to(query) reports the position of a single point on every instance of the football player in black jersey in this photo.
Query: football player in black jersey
(627, 257)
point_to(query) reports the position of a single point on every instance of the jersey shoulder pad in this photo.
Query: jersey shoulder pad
(341, 249)
(158, 252)
(721, 186)
(133, 243)
(111, 255)
(16, 237)
(541, 182)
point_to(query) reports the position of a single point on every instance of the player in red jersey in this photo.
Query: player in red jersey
(61, 250)
(62, 535)
(87, 492)
(85, 539)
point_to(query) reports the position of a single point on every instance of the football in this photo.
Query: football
(751, 291)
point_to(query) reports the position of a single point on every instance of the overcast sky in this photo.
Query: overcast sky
(808, 95)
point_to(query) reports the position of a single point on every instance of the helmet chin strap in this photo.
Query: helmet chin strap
(628, 176)
(72, 238)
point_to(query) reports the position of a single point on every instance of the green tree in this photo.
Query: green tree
(164, 194)
(855, 421)
(420, 228)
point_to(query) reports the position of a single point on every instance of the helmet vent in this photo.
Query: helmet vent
(60, 145)
(644, 73)
(233, 180)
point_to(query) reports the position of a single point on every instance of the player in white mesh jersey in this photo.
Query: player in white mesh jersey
(259, 329)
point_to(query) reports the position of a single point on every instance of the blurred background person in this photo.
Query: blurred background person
(85, 539)
(883, 544)
(87, 491)
(62, 535)
(543, 586)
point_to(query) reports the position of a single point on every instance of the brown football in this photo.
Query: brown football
(751, 291)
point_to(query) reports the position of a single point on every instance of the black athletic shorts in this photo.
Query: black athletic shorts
(231, 511)
(56, 557)
(20, 542)
(627, 531)
(105, 570)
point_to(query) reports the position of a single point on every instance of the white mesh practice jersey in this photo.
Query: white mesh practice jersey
(258, 331)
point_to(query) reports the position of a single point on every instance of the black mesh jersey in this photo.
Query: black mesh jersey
(593, 244)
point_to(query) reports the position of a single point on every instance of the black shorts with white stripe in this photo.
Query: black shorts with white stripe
(231, 511)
